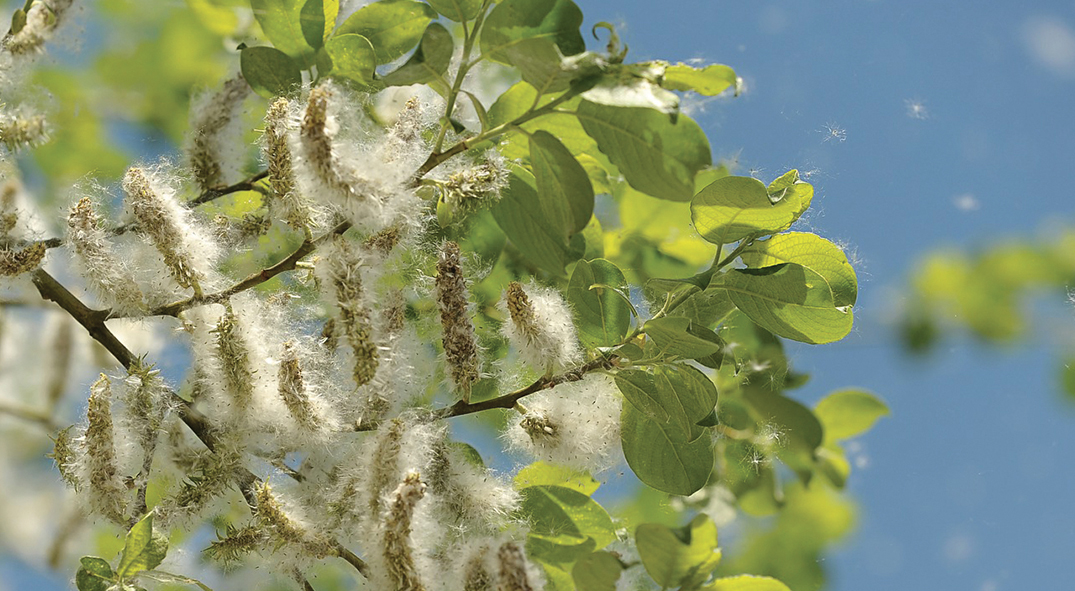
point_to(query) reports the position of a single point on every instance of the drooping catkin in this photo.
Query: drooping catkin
(101, 267)
(460, 344)
(345, 271)
(22, 130)
(146, 407)
(513, 571)
(292, 389)
(16, 261)
(105, 486)
(162, 221)
(63, 453)
(233, 355)
(213, 127)
(286, 202)
(476, 575)
(316, 137)
(541, 328)
(398, 554)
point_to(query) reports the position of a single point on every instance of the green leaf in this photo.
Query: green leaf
(789, 300)
(674, 340)
(542, 473)
(94, 574)
(429, 62)
(457, 10)
(282, 22)
(708, 81)
(513, 22)
(848, 413)
(602, 317)
(633, 85)
(660, 458)
(318, 17)
(269, 71)
(351, 57)
(735, 207)
(563, 186)
(675, 395)
(681, 557)
(795, 430)
(394, 27)
(534, 225)
(564, 516)
(746, 583)
(655, 155)
(814, 253)
(597, 572)
(143, 549)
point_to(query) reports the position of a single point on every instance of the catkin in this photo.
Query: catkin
(460, 344)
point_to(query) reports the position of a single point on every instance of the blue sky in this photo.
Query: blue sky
(926, 125)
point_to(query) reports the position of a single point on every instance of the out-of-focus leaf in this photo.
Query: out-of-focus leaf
(428, 63)
(352, 58)
(847, 413)
(680, 557)
(269, 71)
(542, 473)
(394, 27)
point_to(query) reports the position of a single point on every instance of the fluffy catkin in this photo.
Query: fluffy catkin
(20, 130)
(104, 271)
(162, 221)
(233, 356)
(345, 272)
(213, 126)
(398, 554)
(460, 344)
(316, 139)
(541, 328)
(271, 514)
(16, 261)
(513, 571)
(41, 20)
(286, 202)
(105, 486)
(293, 389)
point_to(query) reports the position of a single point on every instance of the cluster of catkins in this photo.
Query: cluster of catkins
(329, 399)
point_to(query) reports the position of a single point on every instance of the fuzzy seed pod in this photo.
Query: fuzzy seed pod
(234, 358)
(162, 221)
(513, 571)
(476, 575)
(541, 328)
(460, 344)
(213, 122)
(286, 202)
(293, 389)
(471, 189)
(104, 271)
(63, 453)
(16, 261)
(398, 555)
(384, 241)
(22, 130)
(346, 276)
(272, 515)
(106, 487)
(317, 142)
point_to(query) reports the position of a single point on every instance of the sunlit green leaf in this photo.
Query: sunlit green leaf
(746, 583)
(318, 18)
(814, 253)
(565, 516)
(542, 473)
(602, 317)
(143, 549)
(736, 207)
(790, 300)
(352, 58)
(94, 574)
(674, 340)
(562, 184)
(535, 225)
(681, 556)
(660, 458)
(597, 572)
(282, 22)
(457, 10)
(675, 395)
(515, 21)
(394, 27)
(708, 81)
(655, 155)
(847, 413)
(269, 71)
(429, 62)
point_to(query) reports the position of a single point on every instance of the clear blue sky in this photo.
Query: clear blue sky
(928, 124)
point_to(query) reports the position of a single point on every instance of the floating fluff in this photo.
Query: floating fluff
(575, 424)
(540, 328)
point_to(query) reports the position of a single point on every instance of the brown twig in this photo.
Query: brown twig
(509, 400)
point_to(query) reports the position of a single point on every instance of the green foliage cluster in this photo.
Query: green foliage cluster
(682, 279)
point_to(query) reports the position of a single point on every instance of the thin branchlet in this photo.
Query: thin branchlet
(460, 344)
